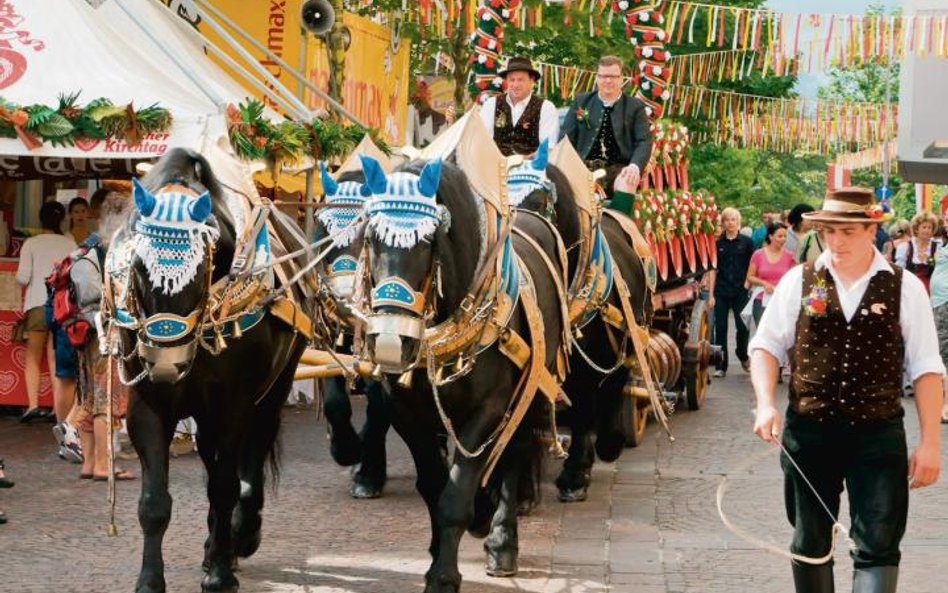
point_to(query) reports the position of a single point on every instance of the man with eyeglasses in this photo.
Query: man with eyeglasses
(610, 129)
(518, 120)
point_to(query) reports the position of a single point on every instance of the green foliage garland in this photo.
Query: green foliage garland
(255, 137)
(69, 121)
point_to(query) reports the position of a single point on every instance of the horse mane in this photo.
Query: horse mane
(187, 167)
(459, 249)
(566, 212)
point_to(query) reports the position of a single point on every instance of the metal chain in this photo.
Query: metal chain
(592, 364)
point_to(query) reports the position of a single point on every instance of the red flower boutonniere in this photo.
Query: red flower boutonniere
(816, 302)
(582, 116)
(875, 212)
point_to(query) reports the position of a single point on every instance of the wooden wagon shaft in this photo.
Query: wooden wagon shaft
(319, 364)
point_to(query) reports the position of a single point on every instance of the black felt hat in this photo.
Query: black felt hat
(519, 64)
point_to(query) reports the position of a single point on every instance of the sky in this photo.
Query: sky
(808, 83)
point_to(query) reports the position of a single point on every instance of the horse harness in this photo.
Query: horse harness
(234, 304)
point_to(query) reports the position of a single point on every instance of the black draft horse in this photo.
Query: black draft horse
(235, 396)
(364, 449)
(441, 266)
(597, 398)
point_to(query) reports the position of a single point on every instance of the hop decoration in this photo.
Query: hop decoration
(255, 137)
(487, 44)
(680, 229)
(69, 122)
(644, 26)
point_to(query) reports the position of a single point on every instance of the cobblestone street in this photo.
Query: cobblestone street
(650, 524)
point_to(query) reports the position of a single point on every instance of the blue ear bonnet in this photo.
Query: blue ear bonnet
(529, 177)
(403, 208)
(338, 220)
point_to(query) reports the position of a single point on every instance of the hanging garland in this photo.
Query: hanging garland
(644, 26)
(69, 122)
(255, 137)
(827, 39)
(487, 44)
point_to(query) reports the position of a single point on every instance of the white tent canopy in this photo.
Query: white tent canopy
(70, 46)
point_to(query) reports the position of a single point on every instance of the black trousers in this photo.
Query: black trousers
(723, 307)
(873, 463)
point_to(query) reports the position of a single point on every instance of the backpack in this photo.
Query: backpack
(62, 296)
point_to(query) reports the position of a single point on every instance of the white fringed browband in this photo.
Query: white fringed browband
(170, 243)
(403, 216)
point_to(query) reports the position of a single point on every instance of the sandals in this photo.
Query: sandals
(121, 475)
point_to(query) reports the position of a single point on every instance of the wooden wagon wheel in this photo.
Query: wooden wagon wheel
(696, 355)
(635, 418)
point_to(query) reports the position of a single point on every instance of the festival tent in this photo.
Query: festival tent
(103, 52)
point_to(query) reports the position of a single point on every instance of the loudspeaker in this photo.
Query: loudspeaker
(317, 16)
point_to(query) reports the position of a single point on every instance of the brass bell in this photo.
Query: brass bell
(237, 333)
(404, 380)
(219, 340)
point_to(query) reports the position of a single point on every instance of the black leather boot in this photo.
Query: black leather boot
(875, 579)
(813, 578)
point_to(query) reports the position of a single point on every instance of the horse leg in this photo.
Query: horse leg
(223, 488)
(573, 481)
(247, 520)
(430, 465)
(370, 475)
(150, 430)
(454, 513)
(344, 444)
(502, 545)
(610, 437)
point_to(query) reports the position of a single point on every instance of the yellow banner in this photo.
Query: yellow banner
(273, 23)
(376, 82)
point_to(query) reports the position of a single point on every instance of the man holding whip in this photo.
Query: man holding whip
(850, 325)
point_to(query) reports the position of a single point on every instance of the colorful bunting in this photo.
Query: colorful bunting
(822, 40)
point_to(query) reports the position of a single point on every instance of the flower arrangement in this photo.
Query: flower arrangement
(815, 303)
(70, 122)
(582, 116)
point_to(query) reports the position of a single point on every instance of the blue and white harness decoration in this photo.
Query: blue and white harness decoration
(348, 199)
(531, 176)
(171, 235)
(403, 209)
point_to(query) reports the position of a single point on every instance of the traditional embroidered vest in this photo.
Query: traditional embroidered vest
(849, 371)
(605, 147)
(524, 138)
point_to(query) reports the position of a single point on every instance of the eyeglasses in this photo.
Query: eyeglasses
(608, 76)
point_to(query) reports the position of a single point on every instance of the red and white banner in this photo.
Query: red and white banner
(837, 176)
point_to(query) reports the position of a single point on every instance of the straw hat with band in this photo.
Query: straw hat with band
(520, 65)
(849, 204)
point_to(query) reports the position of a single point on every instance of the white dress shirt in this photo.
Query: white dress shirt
(918, 256)
(549, 118)
(776, 333)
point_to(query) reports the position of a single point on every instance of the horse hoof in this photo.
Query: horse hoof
(442, 585)
(220, 583)
(345, 447)
(572, 495)
(150, 585)
(609, 446)
(502, 563)
(364, 491)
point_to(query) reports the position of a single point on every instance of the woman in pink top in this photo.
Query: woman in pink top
(768, 265)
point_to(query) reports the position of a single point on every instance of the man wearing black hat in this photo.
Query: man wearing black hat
(518, 119)
(851, 324)
(610, 129)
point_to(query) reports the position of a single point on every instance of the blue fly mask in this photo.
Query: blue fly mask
(530, 176)
(348, 198)
(403, 208)
(172, 234)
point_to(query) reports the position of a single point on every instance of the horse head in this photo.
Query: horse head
(174, 233)
(346, 200)
(404, 223)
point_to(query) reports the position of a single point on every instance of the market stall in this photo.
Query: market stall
(87, 93)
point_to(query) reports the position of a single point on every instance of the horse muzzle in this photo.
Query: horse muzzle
(394, 341)
(167, 364)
